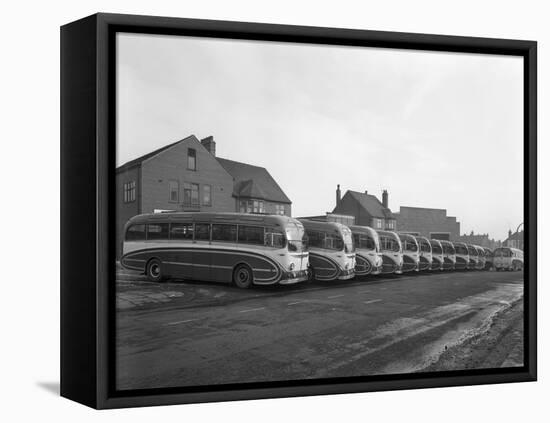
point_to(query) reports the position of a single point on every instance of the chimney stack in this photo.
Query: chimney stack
(385, 198)
(209, 144)
(338, 195)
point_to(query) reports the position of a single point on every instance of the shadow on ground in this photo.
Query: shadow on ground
(51, 387)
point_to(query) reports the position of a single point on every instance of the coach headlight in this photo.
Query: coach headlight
(291, 267)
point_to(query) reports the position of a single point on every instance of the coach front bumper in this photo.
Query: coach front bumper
(289, 278)
(346, 274)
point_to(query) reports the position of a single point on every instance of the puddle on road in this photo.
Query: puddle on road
(469, 317)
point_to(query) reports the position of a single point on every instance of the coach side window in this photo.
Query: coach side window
(157, 231)
(202, 232)
(251, 235)
(135, 233)
(227, 233)
(181, 231)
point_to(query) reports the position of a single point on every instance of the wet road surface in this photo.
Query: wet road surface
(185, 333)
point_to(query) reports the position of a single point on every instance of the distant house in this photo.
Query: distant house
(515, 240)
(482, 240)
(431, 223)
(187, 176)
(366, 209)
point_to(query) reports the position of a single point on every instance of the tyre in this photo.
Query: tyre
(243, 276)
(310, 274)
(154, 270)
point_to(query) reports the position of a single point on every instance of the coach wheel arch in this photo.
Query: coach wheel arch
(153, 270)
(368, 267)
(243, 277)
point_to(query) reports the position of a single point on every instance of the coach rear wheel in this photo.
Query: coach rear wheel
(154, 270)
(243, 277)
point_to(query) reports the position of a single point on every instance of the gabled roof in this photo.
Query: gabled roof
(147, 156)
(371, 204)
(253, 182)
(249, 181)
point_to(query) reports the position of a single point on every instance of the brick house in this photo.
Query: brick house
(515, 240)
(366, 209)
(431, 223)
(187, 176)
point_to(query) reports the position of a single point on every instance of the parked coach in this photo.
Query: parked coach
(245, 249)
(488, 258)
(425, 262)
(449, 255)
(368, 259)
(462, 256)
(474, 257)
(411, 253)
(331, 250)
(437, 254)
(507, 258)
(392, 252)
(481, 260)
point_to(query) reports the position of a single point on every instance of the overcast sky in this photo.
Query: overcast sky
(439, 130)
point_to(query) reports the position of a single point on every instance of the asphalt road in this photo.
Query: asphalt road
(185, 333)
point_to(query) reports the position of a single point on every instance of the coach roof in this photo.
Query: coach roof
(318, 225)
(258, 219)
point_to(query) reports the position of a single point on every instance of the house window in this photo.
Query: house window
(190, 194)
(280, 209)
(252, 206)
(245, 206)
(191, 159)
(258, 206)
(207, 195)
(391, 224)
(377, 223)
(129, 190)
(173, 188)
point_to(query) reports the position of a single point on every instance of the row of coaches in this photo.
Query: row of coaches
(247, 249)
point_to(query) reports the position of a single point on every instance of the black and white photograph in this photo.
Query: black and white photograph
(293, 211)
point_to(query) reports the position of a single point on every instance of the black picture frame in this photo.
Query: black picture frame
(87, 190)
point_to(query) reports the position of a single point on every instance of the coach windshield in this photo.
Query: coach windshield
(296, 237)
(348, 241)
